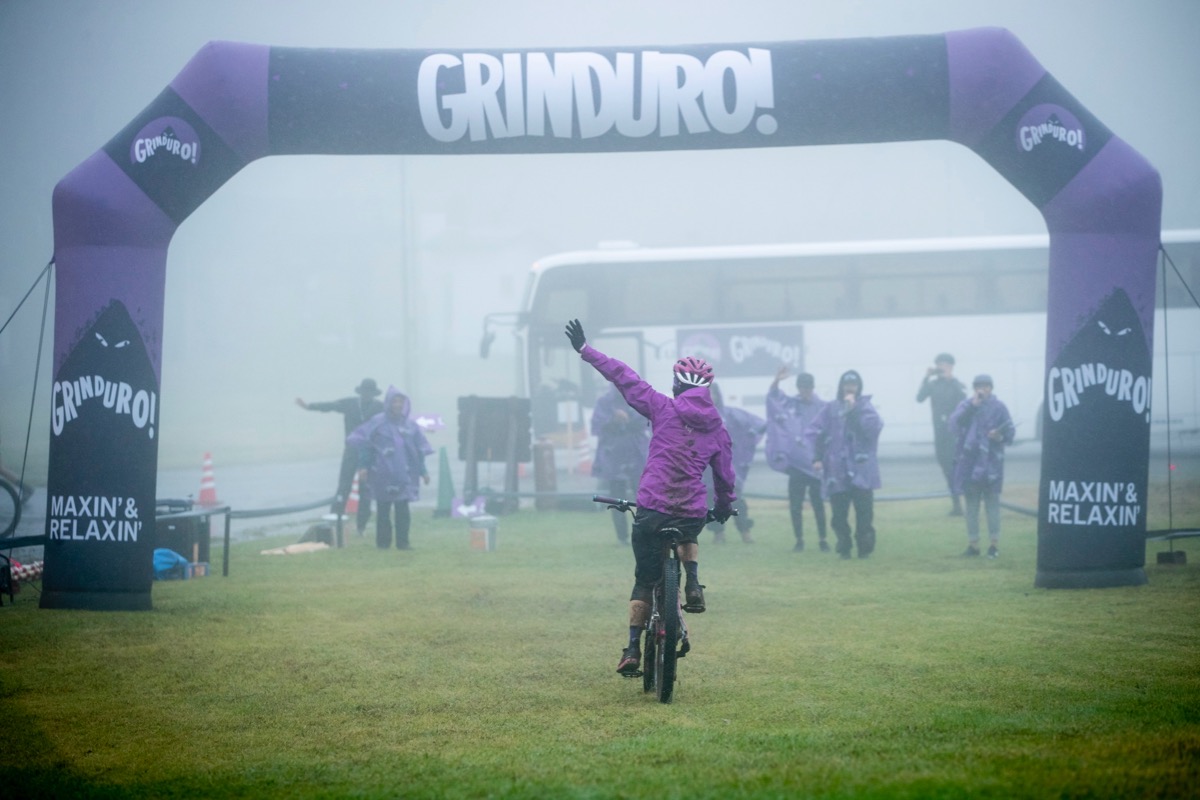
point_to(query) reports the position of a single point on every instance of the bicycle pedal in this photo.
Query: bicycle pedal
(637, 674)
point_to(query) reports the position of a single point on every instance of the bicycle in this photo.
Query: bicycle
(665, 628)
(10, 508)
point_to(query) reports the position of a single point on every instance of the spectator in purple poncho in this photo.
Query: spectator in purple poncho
(844, 438)
(746, 430)
(392, 450)
(982, 427)
(622, 437)
(789, 453)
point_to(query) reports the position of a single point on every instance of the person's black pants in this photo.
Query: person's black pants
(383, 524)
(863, 501)
(800, 484)
(648, 545)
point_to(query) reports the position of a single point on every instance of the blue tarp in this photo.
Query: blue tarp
(169, 565)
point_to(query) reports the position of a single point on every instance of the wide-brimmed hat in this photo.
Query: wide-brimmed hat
(368, 387)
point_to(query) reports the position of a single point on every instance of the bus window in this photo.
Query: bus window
(680, 294)
(564, 302)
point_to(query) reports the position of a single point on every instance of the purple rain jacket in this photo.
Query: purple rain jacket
(846, 441)
(687, 436)
(787, 418)
(621, 446)
(979, 461)
(393, 450)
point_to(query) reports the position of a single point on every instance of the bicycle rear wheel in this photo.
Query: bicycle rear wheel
(10, 508)
(665, 662)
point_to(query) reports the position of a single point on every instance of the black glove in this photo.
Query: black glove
(575, 334)
(720, 515)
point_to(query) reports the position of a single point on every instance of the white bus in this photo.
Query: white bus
(884, 308)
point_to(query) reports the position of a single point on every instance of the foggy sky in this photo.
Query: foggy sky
(304, 274)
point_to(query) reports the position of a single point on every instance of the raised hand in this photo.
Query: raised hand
(575, 334)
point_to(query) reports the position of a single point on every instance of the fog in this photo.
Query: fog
(304, 274)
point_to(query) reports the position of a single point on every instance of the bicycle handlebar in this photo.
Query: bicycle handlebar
(625, 505)
(614, 503)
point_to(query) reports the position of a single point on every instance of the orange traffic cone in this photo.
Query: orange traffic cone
(208, 485)
(352, 502)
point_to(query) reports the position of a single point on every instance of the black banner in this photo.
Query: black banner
(608, 99)
(1095, 453)
(103, 446)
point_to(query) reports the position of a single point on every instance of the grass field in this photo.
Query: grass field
(450, 672)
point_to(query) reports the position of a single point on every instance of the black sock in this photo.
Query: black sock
(690, 569)
(635, 632)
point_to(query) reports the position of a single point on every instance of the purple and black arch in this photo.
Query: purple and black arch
(115, 215)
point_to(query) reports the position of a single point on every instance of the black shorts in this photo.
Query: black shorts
(648, 543)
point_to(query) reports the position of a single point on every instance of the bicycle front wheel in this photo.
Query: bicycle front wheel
(668, 645)
(10, 508)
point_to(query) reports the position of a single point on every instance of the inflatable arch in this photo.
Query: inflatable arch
(115, 214)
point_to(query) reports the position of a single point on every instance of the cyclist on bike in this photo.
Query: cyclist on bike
(687, 436)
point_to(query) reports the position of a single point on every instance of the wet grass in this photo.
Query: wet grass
(449, 672)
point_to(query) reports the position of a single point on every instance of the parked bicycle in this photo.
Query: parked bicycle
(665, 637)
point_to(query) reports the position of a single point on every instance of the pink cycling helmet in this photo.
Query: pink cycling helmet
(692, 371)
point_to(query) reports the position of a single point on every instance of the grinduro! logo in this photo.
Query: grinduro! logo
(1048, 124)
(166, 137)
(586, 95)
(117, 396)
(742, 348)
(1067, 388)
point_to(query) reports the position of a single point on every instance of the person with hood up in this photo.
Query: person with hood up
(982, 427)
(392, 450)
(844, 438)
(746, 430)
(355, 411)
(687, 436)
(622, 438)
(788, 451)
